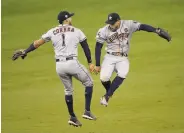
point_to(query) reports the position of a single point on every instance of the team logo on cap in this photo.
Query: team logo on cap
(110, 17)
(66, 16)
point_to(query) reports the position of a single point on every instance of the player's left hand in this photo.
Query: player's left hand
(19, 53)
(91, 67)
(162, 33)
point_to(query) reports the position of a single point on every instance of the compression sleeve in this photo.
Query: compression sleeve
(86, 49)
(98, 52)
(147, 28)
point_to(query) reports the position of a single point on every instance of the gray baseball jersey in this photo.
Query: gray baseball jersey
(65, 39)
(118, 41)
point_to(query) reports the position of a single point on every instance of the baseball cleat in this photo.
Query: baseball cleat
(103, 101)
(88, 115)
(74, 122)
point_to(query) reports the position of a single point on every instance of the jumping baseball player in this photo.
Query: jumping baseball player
(65, 39)
(117, 34)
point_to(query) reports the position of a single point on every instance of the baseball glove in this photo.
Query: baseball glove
(162, 33)
(19, 53)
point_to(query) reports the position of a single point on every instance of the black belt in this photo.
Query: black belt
(67, 58)
(117, 54)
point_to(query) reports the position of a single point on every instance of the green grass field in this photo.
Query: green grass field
(151, 100)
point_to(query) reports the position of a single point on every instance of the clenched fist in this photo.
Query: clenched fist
(91, 67)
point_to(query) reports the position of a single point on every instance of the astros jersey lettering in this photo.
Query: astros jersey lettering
(118, 41)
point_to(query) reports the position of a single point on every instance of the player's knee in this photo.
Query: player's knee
(122, 75)
(68, 91)
(88, 83)
(104, 78)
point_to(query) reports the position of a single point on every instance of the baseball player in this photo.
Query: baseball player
(65, 39)
(117, 34)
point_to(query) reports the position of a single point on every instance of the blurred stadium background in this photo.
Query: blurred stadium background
(151, 100)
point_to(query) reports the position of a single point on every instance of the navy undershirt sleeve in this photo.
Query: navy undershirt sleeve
(147, 28)
(98, 52)
(30, 48)
(86, 49)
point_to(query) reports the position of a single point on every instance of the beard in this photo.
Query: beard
(113, 29)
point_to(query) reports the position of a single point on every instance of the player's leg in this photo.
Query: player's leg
(106, 85)
(83, 75)
(122, 69)
(67, 82)
(107, 69)
(106, 72)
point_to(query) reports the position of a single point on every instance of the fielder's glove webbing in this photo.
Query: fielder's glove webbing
(19, 53)
(162, 33)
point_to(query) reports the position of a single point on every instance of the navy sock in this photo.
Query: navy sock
(69, 102)
(88, 96)
(115, 84)
(107, 85)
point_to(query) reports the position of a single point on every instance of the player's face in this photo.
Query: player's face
(115, 26)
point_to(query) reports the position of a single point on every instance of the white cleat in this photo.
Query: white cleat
(103, 101)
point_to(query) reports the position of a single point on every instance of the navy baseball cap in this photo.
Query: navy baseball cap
(63, 15)
(112, 18)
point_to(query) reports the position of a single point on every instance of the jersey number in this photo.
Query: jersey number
(63, 36)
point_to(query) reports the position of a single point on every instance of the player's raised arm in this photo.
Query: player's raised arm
(162, 33)
(37, 43)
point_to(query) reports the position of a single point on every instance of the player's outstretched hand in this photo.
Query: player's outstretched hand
(97, 69)
(19, 53)
(162, 33)
(91, 67)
